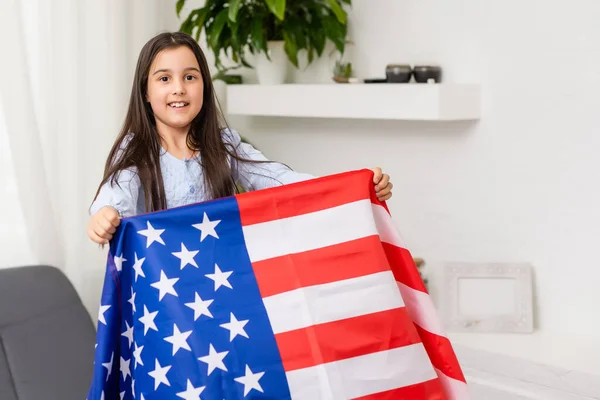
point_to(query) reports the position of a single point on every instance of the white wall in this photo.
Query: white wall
(520, 185)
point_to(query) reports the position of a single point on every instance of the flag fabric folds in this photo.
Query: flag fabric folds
(304, 291)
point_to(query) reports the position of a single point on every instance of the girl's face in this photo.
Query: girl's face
(175, 89)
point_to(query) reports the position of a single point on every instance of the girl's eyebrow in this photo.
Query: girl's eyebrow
(168, 70)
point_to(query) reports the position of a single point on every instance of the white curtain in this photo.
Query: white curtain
(66, 69)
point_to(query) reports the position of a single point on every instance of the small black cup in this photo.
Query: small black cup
(398, 73)
(423, 73)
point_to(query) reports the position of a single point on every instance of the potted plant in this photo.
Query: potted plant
(342, 72)
(274, 31)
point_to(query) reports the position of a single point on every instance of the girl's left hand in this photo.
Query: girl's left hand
(383, 186)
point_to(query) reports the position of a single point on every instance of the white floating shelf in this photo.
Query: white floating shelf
(411, 101)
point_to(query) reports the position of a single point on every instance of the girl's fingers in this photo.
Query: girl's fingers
(385, 197)
(385, 193)
(106, 226)
(95, 238)
(100, 231)
(377, 175)
(383, 183)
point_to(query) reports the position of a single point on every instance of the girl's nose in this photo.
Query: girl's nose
(179, 88)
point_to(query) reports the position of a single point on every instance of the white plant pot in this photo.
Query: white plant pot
(274, 71)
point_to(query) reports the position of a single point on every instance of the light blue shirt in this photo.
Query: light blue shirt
(184, 181)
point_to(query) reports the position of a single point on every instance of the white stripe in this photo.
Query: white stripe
(320, 229)
(421, 309)
(454, 389)
(334, 301)
(361, 376)
(419, 305)
(388, 232)
(310, 231)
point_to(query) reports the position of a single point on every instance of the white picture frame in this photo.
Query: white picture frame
(488, 297)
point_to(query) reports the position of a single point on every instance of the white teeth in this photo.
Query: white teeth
(177, 105)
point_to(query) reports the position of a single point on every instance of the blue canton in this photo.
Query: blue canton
(181, 315)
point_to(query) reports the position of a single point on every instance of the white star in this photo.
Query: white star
(235, 327)
(101, 314)
(214, 359)
(119, 262)
(191, 392)
(137, 355)
(200, 307)
(178, 340)
(102, 395)
(207, 227)
(152, 235)
(142, 397)
(108, 365)
(132, 386)
(159, 374)
(186, 256)
(148, 320)
(125, 368)
(250, 380)
(165, 285)
(122, 395)
(220, 278)
(137, 266)
(129, 333)
(132, 300)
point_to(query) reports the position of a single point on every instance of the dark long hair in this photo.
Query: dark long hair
(143, 148)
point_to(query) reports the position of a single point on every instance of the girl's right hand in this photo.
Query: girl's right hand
(103, 225)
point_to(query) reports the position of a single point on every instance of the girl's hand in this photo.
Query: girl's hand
(383, 186)
(103, 225)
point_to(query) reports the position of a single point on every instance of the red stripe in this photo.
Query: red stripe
(347, 338)
(441, 354)
(403, 266)
(428, 390)
(438, 348)
(306, 197)
(328, 264)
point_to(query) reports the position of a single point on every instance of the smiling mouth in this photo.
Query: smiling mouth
(178, 104)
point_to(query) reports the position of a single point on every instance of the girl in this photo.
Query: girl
(172, 150)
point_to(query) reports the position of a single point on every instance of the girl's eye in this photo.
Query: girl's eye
(164, 78)
(190, 77)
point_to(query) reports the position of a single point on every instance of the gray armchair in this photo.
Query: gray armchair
(46, 336)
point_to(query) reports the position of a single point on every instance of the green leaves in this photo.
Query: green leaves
(194, 22)
(216, 28)
(277, 7)
(337, 10)
(258, 37)
(335, 32)
(291, 49)
(179, 6)
(234, 7)
(235, 27)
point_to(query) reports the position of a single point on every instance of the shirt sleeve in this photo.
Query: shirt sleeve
(255, 176)
(124, 194)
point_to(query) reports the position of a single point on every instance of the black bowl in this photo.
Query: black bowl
(398, 73)
(423, 73)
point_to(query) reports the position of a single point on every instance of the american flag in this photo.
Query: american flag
(304, 291)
